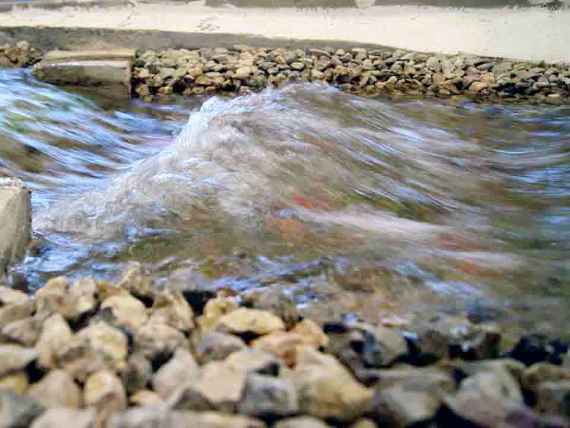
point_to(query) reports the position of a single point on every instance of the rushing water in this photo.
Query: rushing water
(350, 204)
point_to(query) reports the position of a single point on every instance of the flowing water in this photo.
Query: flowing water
(351, 205)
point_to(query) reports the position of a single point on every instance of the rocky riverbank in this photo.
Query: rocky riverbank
(361, 71)
(127, 354)
(20, 54)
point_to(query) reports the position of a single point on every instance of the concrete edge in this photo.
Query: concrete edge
(77, 38)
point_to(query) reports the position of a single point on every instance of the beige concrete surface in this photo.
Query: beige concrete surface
(529, 34)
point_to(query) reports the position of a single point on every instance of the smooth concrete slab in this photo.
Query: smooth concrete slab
(110, 69)
(15, 221)
(491, 32)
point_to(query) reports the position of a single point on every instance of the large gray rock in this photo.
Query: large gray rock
(15, 221)
(109, 69)
(17, 411)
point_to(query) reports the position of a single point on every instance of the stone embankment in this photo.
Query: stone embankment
(360, 71)
(20, 54)
(129, 355)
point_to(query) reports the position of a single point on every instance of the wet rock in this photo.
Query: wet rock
(268, 397)
(157, 340)
(534, 349)
(554, 398)
(327, 389)
(181, 369)
(61, 417)
(137, 374)
(250, 321)
(171, 308)
(215, 346)
(57, 389)
(14, 358)
(16, 382)
(17, 411)
(104, 391)
(301, 422)
(127, 311)
(487, 398)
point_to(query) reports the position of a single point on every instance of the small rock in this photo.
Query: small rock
(543, 372)
(172, 309)
(136, 282)
(251, 360)
(104, 391)
(181, 369)
(61, 417)
(107, 342)
(218, 387)
(252, 321)
(215, 346)
(14, 358)
(15, 312)
(301, 422)
(24, 332)
(269, 397)
(554, 398)
(145, 397)
(17, 411)
(327, 389)
(487, 398)
(215, 309)
(127, 310)
(57, 389)
(16, 382)
(275, 301)
(157, 340)
(137, 374)
(9, 296)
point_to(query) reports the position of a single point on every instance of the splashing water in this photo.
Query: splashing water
(350, 204)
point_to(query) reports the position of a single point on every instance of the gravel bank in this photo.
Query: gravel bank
(361, 71)
(127, 354)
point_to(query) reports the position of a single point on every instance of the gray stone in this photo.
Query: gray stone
(61, 417)
(138, 373)
(487, 398)
(181, 369)
(15, 357)
(109, 69)
(301, 422)
(554, 398)
(215, 346)
(15, 221)
(57, 389)
(266, 396)
(17, 411)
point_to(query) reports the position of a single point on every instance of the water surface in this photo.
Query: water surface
(351, 205)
